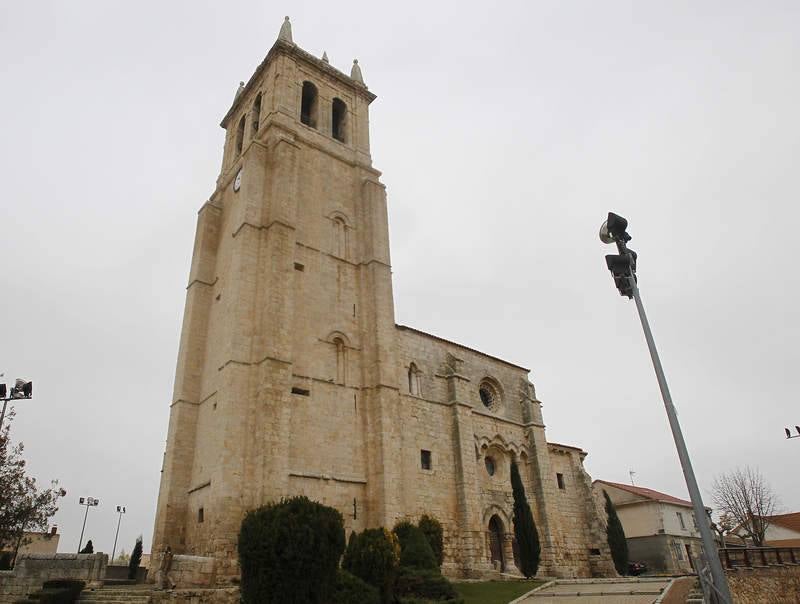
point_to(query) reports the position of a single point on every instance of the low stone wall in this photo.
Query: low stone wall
(31, 570)
(190, 571)
(228, 595)
(765, 585)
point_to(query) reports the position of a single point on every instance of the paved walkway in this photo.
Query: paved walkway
(599, 591)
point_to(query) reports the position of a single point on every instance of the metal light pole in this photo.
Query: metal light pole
(623, 268)
(20, 391)
(120, 511)
(88, 502)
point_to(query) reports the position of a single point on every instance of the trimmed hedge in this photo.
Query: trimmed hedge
(432, 529)
(352, 590)
(424, 585)
(289, 552)
(415, 552)
(373, 556)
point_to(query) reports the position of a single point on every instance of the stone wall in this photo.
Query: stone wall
(229, 595)
(765, 585)
(32, 570)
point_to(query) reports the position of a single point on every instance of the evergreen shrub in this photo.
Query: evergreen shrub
(352, 590)
(615, 534)
(289, 552)
(136, 559)
(424, 585)
(432, 529)
(415, 552)
(524, 528)
(373, 556)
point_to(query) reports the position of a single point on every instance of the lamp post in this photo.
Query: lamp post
(88, 502)
(120, 511)
(623, 269)
(20, 391)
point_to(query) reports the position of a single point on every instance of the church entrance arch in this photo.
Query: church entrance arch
(496, 533)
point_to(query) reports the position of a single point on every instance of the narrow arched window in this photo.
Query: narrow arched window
(341, 361)
(414, 380)
(340, 237)
(339, 120)
(308, 105)
(255, 118)
(240, 136)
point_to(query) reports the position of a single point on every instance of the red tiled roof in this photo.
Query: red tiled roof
(647, 493)
(789, 521)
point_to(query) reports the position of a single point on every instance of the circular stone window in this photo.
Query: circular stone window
(490, 396)
(490, 466)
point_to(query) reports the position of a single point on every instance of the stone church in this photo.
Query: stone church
(293, 377)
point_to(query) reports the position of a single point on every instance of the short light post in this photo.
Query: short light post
(789, 432)
(88, 502)
(623, 269)
(20, 391)
(120, 511)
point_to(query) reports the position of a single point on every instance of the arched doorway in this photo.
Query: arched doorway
(496, 533)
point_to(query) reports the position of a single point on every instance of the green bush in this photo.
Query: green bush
(525, 531)
(136, 559)
(432, 529)
(352, 590)
(615, 535)
(373, 556)
(415, 552)
(424, 585)
(289, 552)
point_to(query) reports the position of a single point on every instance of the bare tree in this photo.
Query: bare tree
(745, 496)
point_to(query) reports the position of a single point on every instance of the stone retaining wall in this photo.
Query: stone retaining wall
(31, 570)
(228, 595)
(765, 585)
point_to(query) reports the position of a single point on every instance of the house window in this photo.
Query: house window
(240, 136)
(200, 515)
(308, 105)
(680, 519)
(255, 118)
(425, 459)
(338, 120)
(676, 547)
(491, 467)
(340, 237)
(560, 481)
(490, 395)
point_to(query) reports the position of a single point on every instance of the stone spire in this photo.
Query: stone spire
(325, 56)
(239, 91)
(355, 72)
(286, 31)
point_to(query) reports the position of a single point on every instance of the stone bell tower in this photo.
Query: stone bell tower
(286, 380)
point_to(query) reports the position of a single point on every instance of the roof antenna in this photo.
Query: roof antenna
(632, 473)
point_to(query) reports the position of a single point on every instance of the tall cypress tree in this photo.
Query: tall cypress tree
(616, 538)
(524, 528)
(136, 559)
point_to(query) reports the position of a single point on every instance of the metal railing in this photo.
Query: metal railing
(736, 557)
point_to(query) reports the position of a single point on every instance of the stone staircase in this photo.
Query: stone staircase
(117, 594)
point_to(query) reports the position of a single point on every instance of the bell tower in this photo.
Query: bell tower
(286, 381)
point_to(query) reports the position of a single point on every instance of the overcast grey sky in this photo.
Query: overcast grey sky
(505, 134)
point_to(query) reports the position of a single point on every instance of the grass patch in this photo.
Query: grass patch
(494, 592)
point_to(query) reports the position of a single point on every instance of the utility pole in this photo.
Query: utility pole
(88, 502)
(20, 391)
(120, 511)
(623, 269)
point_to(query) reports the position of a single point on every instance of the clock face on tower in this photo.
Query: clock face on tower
(237, 182)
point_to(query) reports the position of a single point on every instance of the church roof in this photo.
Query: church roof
(430, 335)
(647, 493)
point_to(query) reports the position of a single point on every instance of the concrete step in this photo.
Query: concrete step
(117, 594)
